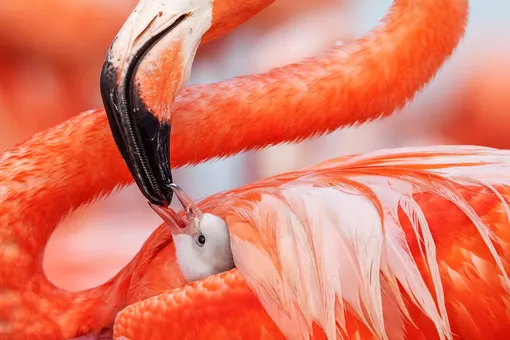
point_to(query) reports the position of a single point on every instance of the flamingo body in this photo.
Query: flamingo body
(397, 244)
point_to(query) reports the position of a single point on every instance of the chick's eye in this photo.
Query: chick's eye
(201, 240)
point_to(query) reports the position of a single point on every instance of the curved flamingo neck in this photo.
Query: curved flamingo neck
(367, 79)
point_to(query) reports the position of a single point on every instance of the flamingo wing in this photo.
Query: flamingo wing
(387, 245)
(332, 238)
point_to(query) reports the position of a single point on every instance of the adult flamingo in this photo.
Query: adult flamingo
(349, 85)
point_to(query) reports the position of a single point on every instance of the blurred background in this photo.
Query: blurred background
(51, 52)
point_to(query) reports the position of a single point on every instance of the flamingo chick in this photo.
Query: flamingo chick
(202, 245)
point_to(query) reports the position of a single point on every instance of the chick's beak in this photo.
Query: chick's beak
(170, 217)
(174, 222)
(193, 213)
(146, 66)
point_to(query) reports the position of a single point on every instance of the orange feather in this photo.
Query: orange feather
(446, 282)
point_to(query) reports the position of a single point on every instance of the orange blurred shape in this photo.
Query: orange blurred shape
(51, 53)
(481, 112)
(62, 29)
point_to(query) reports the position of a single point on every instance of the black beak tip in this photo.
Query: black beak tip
(162, 200)
(142, 139)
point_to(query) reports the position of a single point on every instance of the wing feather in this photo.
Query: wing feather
(330, 242)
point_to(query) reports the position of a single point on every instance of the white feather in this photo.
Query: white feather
(338, 249)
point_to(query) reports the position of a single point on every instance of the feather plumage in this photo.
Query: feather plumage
(329, 239)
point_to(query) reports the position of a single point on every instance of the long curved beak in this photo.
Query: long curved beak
(146, 66)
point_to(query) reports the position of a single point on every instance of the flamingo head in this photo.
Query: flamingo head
(202, 241)
(146, 66)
